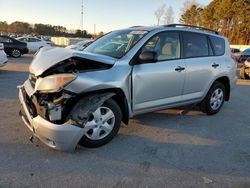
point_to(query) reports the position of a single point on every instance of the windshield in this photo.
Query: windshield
(116, 44)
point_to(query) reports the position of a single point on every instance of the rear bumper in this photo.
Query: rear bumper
(63, 137)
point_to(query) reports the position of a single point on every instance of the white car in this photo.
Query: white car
(34, 44)
(3, 56)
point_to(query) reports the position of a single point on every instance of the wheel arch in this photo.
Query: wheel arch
(226, 82)
(119, 98)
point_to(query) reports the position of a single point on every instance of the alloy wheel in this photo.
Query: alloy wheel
(16, 53)
(216, 99)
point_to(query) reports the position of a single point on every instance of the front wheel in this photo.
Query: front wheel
(214, 100)
(103, 125)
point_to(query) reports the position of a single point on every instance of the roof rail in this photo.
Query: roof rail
(193, 26)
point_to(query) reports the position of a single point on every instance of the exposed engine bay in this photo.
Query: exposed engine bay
(75, 65)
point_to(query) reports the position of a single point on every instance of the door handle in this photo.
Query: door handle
(179, 69)
(215, 65)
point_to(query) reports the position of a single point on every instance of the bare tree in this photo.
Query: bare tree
(168, 16)
(159, 13)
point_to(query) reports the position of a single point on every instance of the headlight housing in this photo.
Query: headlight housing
(53, 83)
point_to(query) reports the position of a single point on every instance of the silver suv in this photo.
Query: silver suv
(76, 97)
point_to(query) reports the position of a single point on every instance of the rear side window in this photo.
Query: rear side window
(195, 45)
(218, 45)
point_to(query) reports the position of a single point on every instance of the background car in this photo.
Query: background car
(34, 44)
(80, 46)
(3, 56)
(245, 69)
(13, 47)
(245, 54)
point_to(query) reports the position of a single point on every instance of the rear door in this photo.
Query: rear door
(201, 65)
(156, 85)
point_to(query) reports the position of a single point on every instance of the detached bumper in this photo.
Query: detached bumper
(62, 137)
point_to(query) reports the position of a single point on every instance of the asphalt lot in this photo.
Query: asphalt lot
(171, 148)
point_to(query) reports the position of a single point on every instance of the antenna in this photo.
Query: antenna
(81, 22)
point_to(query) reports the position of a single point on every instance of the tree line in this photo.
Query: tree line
(229, 17)
(20, 28)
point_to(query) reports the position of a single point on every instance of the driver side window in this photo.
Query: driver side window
(166, 45)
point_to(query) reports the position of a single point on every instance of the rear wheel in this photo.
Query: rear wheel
(15, 53)
(102, 125)
(214, 100)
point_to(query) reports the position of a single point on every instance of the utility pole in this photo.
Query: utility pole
(94, 30)
(81, 22)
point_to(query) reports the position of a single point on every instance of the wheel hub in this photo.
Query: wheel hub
(216, 99)
(100, 124)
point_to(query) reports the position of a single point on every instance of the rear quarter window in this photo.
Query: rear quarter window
(218, 45)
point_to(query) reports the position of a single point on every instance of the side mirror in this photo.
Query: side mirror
(148, 57)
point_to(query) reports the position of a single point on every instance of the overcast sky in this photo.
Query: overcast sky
(106, 14)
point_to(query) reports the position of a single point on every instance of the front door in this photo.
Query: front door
(160, 84)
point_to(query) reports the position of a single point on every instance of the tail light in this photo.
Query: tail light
(234, 58)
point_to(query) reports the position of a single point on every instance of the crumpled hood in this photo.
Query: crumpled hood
(50, 56)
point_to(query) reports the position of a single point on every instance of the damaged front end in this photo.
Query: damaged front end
(55, 115)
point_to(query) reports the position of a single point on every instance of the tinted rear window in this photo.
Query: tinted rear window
(195, 45)
(218, 45)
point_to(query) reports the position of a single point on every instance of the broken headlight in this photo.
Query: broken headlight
(53, 83)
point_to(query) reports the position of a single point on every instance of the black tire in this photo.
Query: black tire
(206, 105)
(16, 53)
(113, 106)
(242, 73)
